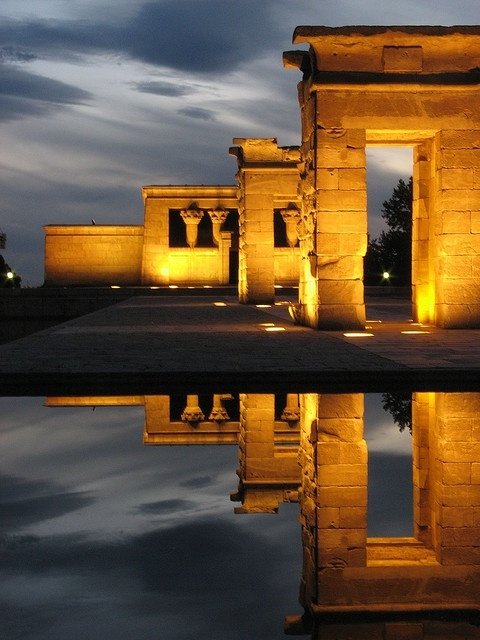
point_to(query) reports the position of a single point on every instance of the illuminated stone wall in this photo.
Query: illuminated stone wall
(164, 265)
(333, 458)
(268, 473)
(414, 86)
(93, 254)
(268, 179)
(428, 578)
(144, 255)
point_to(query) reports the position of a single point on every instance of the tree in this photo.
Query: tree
(399, 406)
(391, 252)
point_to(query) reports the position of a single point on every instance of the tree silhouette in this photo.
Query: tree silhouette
(391, 252)
(399, 406)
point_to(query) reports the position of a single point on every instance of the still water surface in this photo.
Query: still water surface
(103, 537)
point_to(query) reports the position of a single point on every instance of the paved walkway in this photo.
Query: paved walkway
(163, 344)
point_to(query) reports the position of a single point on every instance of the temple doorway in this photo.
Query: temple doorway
(388, 262)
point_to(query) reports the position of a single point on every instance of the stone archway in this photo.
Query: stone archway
(389, 85)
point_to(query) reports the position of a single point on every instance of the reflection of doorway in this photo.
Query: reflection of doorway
(387, 273)
(390, 471)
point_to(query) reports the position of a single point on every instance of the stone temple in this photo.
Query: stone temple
(298, 215)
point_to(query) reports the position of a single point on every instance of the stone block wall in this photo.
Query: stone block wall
(93, 254)
(333, 186)
(267, 179)
(267, 477)
(456, 476)
(333, 457)
(457, 164)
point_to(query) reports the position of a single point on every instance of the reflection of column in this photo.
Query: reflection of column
(192, 217)
(333, 456)
(291, 217)
(266, 480)
(192, 412)
(291, 413)
(218, 217)
(456, 475)
(422, 420)
(218, 412)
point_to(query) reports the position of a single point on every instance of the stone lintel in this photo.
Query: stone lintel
(191, 192)
(391, 50)
(94, 229)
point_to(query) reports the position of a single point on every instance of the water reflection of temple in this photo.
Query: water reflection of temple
(312, 447)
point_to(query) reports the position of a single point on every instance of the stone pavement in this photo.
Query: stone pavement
(149, 345)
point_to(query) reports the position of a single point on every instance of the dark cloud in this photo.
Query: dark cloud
(24, 502)
(161, 507)
(201, 37)
(26, 94)
(197, 482)
(10, 54)
(146, 583)
(212, 35)
(161, 88)
(198, 113)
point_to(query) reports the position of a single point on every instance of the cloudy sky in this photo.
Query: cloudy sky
(102, 537)
(100, 97)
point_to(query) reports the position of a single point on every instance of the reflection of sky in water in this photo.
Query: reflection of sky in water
(104, 537)
(390, 487)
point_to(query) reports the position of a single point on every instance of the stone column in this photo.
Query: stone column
(423, 233)
(458, 228)
(191, 218)
(155, 265)
(265, 172)
(335, 211)
(291, 217)
(218, 217)
(333, 458)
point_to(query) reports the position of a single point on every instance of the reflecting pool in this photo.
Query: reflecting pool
(185, 516)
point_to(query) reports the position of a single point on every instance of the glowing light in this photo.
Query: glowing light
(414, 332)
(219, 304)
(263, 306)
(355, 334)
(385, 275)
(9, 275)
(274, 328)
(173, 286)
(266, 324)
(154, 287)
(425, 303)
(207, 286)
(374, 321)
(278, 286)
(114, 286)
